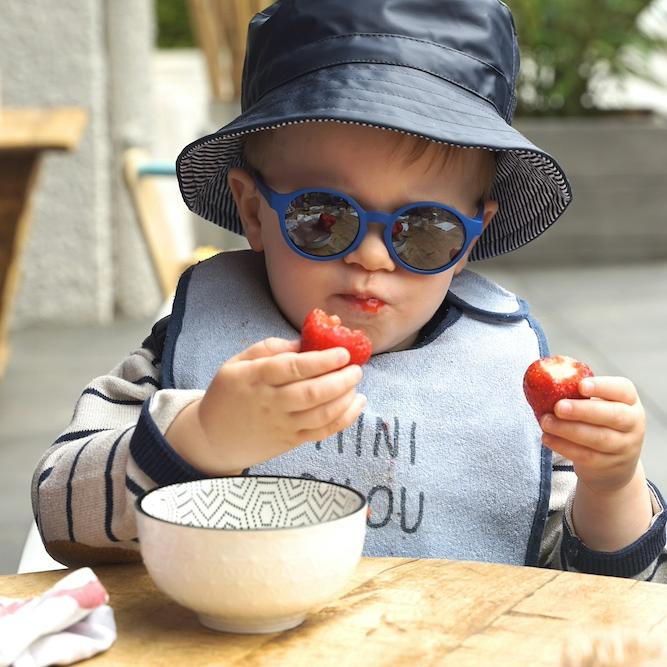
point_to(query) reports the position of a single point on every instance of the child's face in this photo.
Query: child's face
(358, 161)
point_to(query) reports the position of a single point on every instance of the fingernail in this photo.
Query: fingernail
(565, 407)
(547, 421)
(342, 355)
(586, 386)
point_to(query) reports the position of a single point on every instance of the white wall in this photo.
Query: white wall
(93, 54)
(51, 58)
(131, 39)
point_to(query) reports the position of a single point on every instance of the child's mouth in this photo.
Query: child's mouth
(368, 304)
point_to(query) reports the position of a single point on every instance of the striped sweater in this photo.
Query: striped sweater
(85, 485)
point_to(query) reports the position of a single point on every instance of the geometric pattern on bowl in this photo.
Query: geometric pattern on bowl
(251, 503)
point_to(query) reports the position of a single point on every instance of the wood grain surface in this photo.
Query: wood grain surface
(26, 128)
(24, 134)
(394, 611)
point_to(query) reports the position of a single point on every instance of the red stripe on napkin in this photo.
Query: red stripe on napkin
(88, 596)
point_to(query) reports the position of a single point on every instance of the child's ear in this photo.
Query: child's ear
(490, 210)
(248, 199)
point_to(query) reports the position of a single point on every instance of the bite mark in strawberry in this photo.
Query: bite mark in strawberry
(321, 331)
(548, 380)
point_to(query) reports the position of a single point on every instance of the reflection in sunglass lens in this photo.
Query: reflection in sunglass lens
(321, 224)
(428, 237)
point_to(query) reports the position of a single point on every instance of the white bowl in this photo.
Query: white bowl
(251, 554)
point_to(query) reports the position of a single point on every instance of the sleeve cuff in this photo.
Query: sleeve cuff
(627, 562)
(150, 449)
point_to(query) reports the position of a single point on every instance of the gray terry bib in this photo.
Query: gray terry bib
(447, 450)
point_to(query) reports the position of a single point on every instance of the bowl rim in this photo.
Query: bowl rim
(139, 509)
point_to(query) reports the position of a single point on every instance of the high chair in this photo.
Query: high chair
(168, 261)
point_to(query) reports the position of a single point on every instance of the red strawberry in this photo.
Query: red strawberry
(549, 379)
(327, 221)
(321, 331)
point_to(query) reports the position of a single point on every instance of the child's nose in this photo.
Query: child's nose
(372, 253)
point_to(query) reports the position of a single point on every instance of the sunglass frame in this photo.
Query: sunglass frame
(280, 202)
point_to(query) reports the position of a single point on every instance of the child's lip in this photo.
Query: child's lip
(359, 292)
(367, 302)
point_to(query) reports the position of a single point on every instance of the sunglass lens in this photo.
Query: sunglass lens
(428, 237)
(321, 224)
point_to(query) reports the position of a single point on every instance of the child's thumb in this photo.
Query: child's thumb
(267, 348)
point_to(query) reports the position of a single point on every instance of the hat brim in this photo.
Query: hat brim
(531, 188)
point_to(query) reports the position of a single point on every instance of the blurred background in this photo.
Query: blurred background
(97, 99)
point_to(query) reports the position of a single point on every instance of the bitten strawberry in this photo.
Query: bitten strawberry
(321, 331)
(549, 379)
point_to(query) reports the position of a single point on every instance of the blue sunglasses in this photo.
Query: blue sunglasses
(324, 224)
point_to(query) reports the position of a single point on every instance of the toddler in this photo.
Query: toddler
(373, 159)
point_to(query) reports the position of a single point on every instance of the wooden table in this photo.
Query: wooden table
(24, 135)
(394, 611)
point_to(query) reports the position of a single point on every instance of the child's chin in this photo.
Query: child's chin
(380, 346)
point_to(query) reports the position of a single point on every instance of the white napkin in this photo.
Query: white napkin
(69, 622)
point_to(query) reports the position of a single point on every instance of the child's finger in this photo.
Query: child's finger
(312, 393)
(266, 348)
(288, 368)
(610, 388)
(599, 438)
(325, 413)
(612, 414)
(342, 422)
(578, 454)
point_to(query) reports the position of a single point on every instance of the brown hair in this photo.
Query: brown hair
(256, 143)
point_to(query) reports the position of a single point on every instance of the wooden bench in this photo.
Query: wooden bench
(24, 136)
(168, 261)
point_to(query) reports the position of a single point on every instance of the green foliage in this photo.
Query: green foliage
(567, 44)
(173, 24)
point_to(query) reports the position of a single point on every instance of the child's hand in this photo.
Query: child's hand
(603, 436)
(271, 398)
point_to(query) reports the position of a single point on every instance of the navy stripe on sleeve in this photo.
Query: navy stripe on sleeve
(75, 435)
(133, 486)
(44, 475)
(626, 562)
(155, 456)
(68, 504)
(115, 401)
(563, 468)
(147, 379)
(661, 561)
(109, 487)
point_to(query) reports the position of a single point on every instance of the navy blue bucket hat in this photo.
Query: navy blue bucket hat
(444, 70)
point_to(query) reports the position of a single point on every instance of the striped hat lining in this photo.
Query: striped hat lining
(530, 188)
